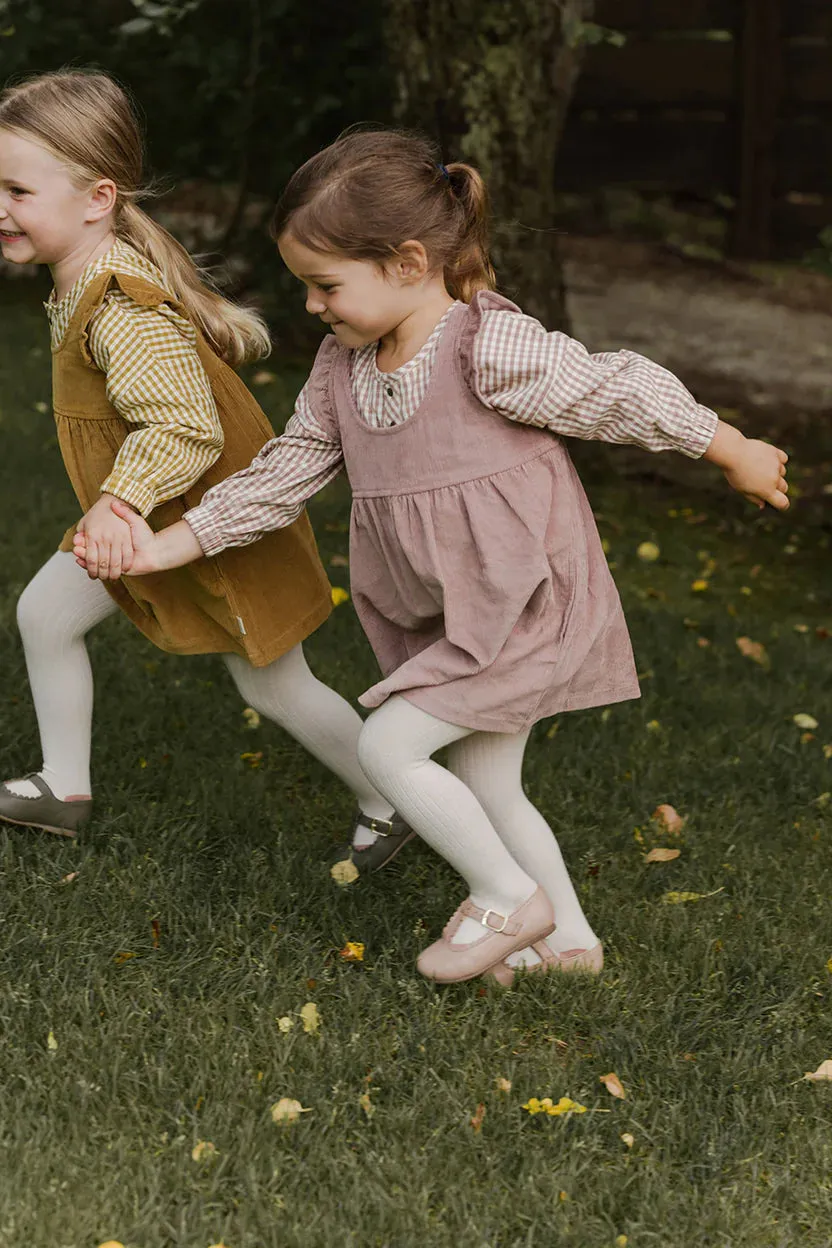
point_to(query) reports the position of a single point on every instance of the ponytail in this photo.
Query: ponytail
(235, 333)
(470, 269)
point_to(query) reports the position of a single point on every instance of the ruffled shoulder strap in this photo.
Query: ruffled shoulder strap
(482, 302)
(319, 391)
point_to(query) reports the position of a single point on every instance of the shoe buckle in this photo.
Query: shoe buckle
(375, 825)
(485, 923)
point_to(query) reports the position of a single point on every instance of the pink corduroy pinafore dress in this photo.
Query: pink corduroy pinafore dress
(476, 567)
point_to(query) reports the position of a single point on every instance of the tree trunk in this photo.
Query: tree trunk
(493, 79)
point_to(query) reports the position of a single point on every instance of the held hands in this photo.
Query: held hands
(106, 562)
(151, 552)
(755, 469)
(107, 542)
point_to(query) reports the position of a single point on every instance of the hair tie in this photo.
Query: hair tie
(444, 172)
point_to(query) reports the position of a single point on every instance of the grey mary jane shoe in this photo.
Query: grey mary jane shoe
(46, 811)
(391, 836)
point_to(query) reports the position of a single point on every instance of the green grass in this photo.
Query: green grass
(710, 1012)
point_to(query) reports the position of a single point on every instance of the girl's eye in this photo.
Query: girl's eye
(17, 191)
(326, 289)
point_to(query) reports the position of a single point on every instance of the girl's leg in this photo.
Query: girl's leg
(395, 750)
(491, 764)
(55, 612)
(315, 715)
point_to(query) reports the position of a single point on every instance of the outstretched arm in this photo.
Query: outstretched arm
(756, 469)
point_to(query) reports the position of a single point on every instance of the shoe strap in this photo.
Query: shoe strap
(39, 783)
(381, 827)
(491, 919)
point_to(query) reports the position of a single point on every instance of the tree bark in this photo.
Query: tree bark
(493, 79)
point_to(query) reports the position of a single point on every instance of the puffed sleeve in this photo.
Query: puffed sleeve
(272, 491)
(156, 382)
(550, 380)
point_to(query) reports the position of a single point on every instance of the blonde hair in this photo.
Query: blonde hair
(87, 122)
(372, 190)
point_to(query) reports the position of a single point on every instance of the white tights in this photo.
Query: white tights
(60, 606)
(474, 813)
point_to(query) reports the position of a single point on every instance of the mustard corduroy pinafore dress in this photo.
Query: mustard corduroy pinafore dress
(257, 601)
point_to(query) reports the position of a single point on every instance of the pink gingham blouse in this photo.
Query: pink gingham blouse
(519, 370)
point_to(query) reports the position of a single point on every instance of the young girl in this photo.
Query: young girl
(149, 412)
(476, 567)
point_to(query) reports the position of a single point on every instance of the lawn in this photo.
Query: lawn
(144, 969)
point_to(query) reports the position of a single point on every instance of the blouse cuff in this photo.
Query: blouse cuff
(700, 432)
(137, 493)
(206, 530)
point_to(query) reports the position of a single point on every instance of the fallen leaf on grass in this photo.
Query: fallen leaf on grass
(353, 951)
(262, 377)
(621, 1241)
(285, 1024)
(613, 1085)
(67, 879)
(203, 1150)
(822, 800)
(504, 1085)
(310, 1018)
(628, 1139)
(699, 585)
(339, 561)
(564, 1106)
(51, 1042)
(252, 759)
(287, 1110)
(344, 872)
(675, 899)
(805, 721)
(653, 725)
(339, 596)
(829, 966)
(111, 1243)
(669, 819)
(823, 1074)
(754, 650)
(827, 751)
(124, 956)
(366, 1104)
(659, 854)
(478, 1117)
(156, 931)
(251, 717)
(648, 552)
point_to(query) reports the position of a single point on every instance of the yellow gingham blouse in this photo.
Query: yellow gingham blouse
(155, 381)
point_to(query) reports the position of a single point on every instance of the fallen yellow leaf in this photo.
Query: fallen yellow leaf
(648, 552)
(754, 650)
(564, 1106)
(829, 966)
(827, 751)
(674, 899)
(203, 1150)
(339, 596)
(822, 800)
(251, 717)
(805, 721)
(124, 956)
(366, 1104)
(621, 1241)
(628, 1139)
(252, 758)
(51, 1042)
(659, 854)
(702, 643)
(353, 951)
(823, 1074)
(613, 1085)
(287, 1110)
(285, 1024)
(801, 628)
(504, 1085)
(310, 1018)
(699, 585)
(653, 725)
(344, 872)
(478, 1117)
(669, 819)
(111, 1243)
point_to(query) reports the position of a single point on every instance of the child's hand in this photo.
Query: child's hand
(108, 545)
(152, 552)
(755, 469)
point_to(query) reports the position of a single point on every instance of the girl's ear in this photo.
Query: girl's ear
(103, 197)
(411, 263)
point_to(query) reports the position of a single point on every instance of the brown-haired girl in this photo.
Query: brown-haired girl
(476, 566)
(149, 412)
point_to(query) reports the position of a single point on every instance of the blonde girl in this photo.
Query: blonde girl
(476, 567)
(149, 412)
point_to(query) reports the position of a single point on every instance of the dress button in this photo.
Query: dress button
(390, 390)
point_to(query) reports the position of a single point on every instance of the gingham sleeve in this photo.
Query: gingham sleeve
(552, 381)
(155, 381)
(272, 491)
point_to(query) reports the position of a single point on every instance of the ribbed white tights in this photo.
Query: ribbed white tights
(474, 813)
(60, 606)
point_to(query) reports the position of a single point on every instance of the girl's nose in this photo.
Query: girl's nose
(314, 303)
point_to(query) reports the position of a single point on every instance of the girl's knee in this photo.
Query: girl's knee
(33, 614)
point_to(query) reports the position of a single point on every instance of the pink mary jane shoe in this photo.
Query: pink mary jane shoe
(450, 963)
(589, 961)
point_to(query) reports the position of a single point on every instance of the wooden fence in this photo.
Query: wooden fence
(727, 98)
